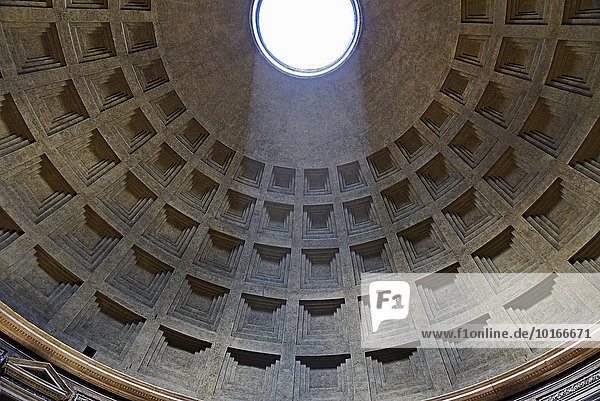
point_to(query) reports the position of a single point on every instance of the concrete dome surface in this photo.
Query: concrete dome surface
(189, 217)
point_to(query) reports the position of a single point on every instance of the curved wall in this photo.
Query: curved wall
(170, 206)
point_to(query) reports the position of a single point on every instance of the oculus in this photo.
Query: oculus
(306, 38)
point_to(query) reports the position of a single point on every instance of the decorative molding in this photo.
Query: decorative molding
(40, 378)
(518, 379)
(79, 365)
(573, 388)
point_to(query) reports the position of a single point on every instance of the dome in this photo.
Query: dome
(181, 220)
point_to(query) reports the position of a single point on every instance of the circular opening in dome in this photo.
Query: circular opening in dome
(306, 38)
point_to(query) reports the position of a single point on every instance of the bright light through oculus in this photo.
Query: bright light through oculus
(306, 37)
